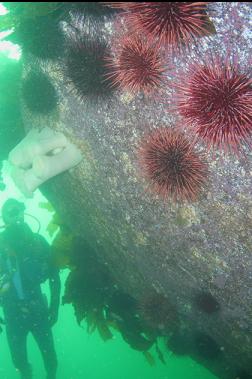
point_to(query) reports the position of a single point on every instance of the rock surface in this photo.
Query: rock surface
(177, 249)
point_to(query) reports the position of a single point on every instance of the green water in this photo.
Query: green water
(81, 355)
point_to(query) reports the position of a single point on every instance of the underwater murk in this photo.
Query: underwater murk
(82, 353)
(125, 140)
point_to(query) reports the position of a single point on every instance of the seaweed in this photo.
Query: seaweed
(160, 354)
(149, 358)
(46, 205)
(98, 301)
(19, 12)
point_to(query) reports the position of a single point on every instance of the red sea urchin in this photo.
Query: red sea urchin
(137, 67)
(215, 100)
(168, 23)
(172, 166)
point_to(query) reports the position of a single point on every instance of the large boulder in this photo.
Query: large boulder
(185, 251)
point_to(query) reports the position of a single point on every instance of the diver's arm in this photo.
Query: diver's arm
(54, 281)
(54, 284)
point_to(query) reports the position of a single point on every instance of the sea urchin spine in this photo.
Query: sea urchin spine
(215, 100)
(169, 23)
(137, 67)
(172, 166)
(85, 68)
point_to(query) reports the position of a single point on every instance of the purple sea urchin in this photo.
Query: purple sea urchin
(85, 68)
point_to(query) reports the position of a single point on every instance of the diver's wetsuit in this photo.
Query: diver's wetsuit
(24, 305)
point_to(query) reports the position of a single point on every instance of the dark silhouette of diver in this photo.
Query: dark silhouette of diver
(25, 263)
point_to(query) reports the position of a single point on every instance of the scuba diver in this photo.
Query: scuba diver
(25, 263)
